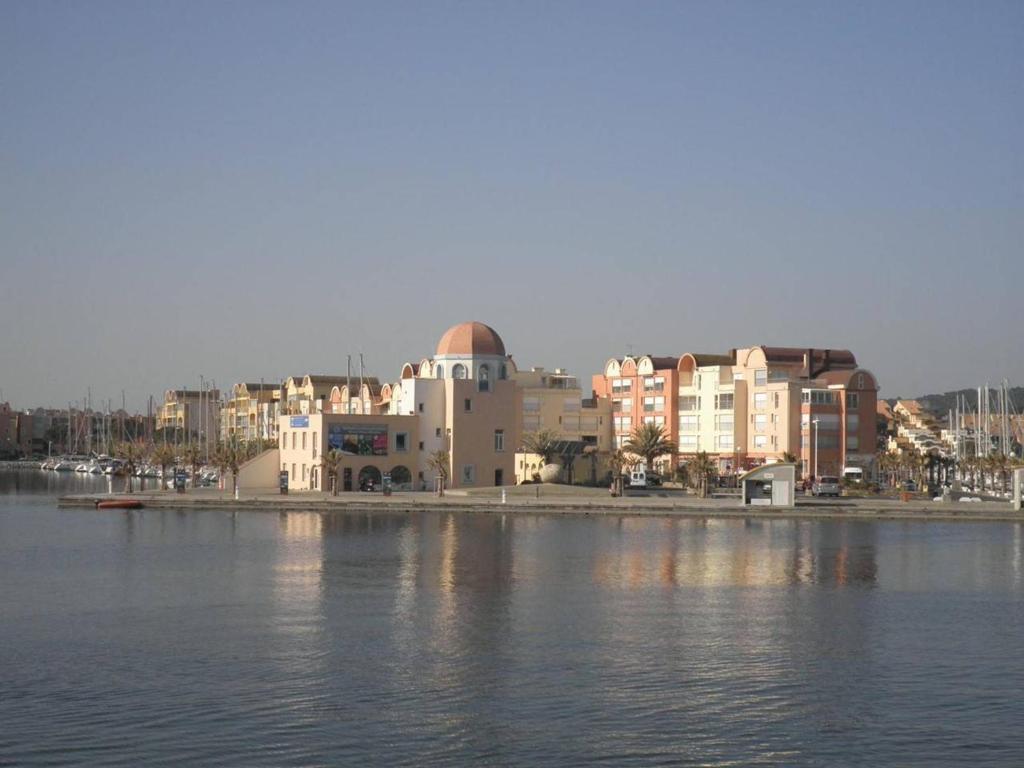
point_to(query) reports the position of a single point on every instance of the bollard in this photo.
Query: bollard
(503, 496)
(236, 493)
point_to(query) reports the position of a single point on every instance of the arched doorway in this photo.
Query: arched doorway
(401, 478)
(369, 479)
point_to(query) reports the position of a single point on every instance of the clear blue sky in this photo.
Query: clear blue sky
(248, 190)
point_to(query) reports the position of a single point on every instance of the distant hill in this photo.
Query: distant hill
(944, 403)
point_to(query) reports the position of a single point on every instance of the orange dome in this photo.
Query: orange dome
(471, 339)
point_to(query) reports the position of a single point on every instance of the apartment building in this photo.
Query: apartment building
(553, 400)
(814, 404)
(194, 412)
(642, 390)
(250, 412)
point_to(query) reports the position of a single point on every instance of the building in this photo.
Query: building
(250, 412)
(461, 401)
(554, 401)
(642, 390)
(189, 413)
(763, 404)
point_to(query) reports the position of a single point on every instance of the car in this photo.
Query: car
(825, 486)
(909, 485)
(654, 479)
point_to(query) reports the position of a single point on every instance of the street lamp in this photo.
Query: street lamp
(815, 423)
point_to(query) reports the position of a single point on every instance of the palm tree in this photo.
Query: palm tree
(194, 458)
(701, 470)
(618, 461)
(440, 461)
(131, 454)
(542, 442)
(648, 442)
(332, 462)
(163, 456)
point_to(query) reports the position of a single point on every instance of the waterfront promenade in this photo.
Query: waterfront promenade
(564, 500)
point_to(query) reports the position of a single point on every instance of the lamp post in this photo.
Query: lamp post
(815, 423)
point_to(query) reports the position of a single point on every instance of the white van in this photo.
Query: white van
(638, 478)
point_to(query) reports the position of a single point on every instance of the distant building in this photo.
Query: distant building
(190, 413)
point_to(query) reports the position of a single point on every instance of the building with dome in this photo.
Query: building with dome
(462, 400)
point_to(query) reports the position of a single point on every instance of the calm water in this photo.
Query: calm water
(165, 638)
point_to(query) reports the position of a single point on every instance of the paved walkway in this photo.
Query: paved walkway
(566, 500)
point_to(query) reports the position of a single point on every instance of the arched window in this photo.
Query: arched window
(483, 378)
(504, 372)
(458, 371)
(440, 371)
(401, 476)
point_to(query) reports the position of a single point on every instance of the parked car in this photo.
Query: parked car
(638, 478)
(910, 485)
(825, 486)
(654, 479)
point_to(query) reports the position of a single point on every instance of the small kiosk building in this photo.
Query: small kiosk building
(770, 485)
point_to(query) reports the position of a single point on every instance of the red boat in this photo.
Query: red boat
(119, 504)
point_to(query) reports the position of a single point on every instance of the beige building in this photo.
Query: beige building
(553, 400)
(250, 412)
(815, 404)
(462, 400)
(192, 412)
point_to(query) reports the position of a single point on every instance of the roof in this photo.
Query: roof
(703, 359)
(473, 338)
(821, 359)
(662, 362)
(342, 380)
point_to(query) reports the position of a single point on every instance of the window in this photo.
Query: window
(649, 384)
(421, 445)
(437, 432)
(760, 441)
(654, 404)
(531, 422)
(818, 397)
(724, 422)
(760, 377)
(852, 400)
(776, 399)
(468, 474)
(760, 422)
(303, 441)
(627, 404)
(621, 385)
(499, 440)
(723, 443)
(294, 476)
(284, 440)
(293, 441)
(852, 442)
(760, 400)
(689, 423)
(724, 401)
(401, 441)
(483, 378)
(623, 423)
(419, 407)
(827, 421)
(440, 371)
(852, 422)
(828, 440)
(687, 443)
(304, 473)
(503, 374)
(531, 404)
(314, 445)
(689, 403)
(458, 371)
(467, 405)
(570, 404)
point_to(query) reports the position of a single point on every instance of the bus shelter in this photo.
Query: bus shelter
(770, 485)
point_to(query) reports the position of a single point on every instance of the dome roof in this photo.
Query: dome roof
(471, 339)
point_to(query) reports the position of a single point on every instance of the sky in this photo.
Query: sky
(247, 190)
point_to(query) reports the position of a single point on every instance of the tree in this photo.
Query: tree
(228, 457)
(542, 442)
(648, 442)
(439, 462)
(702, 469)
(789, 457)
(131, 454)
(332, 464)
(163, 456)
(194, 458)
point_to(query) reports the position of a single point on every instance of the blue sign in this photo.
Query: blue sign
(299, 421)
